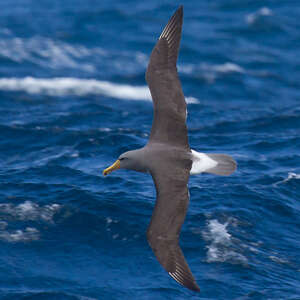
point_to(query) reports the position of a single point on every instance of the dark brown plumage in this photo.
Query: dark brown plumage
(168, 100)
(171, 172)
(168, 157)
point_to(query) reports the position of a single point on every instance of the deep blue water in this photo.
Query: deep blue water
(73, 97)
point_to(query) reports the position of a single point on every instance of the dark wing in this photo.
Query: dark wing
(169, 121)
(167, 218)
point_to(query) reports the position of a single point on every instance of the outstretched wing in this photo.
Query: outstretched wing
(167, 218)
(169, 120)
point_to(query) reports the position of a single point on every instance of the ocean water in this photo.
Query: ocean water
(73, 98)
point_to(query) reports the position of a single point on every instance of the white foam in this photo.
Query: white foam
(79, 87)
(264, 11)
(290, 176)
(210, 72)
(105, 129)
(109, 220)
(186, 68)
(191, 100)
(26, 211)
(220, 248)
(48, 53)
(29, 234)
(228, 68)
(217, 232)
(278, 259)
(30, 211)
(75, 154)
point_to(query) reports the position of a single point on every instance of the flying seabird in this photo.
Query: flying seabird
(168, 157)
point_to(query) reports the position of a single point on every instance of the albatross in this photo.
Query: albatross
(167, 156)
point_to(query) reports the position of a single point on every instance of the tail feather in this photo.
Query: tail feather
(226, 165)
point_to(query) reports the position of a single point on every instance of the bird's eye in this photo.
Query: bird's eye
(122, 158)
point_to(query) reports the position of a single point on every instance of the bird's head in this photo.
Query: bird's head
(129, 160)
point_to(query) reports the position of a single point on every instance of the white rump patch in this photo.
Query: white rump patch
(201, 162)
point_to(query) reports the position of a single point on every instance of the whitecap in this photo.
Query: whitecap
(63, 86)
(191, 100)
(217, 232)
(48, 53)
(115, 236)
(28, 234)
(290, 176)
(108, 220)
(26, 211)
(264, 11)
(221, 246)
(228, 67)
(106, 129)
(210, 72)
(278, 260)
(30, 211)
(186, 68)
(75, 154)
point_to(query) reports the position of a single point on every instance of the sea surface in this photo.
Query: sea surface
(73, 97)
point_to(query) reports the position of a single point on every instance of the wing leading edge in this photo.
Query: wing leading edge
(169, 120)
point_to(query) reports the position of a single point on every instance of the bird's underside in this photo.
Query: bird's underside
(170, 172)
(172, 198)
(168, 157)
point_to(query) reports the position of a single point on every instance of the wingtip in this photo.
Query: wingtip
(178, 14)
(174, 26)
(191, 284)
(179, 11)
(196, 288)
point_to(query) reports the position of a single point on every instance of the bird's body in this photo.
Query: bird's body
(168, 157)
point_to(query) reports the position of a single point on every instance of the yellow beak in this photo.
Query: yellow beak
(114, 166)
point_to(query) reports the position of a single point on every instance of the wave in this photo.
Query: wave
(28, 234)
(221, 247)
(62, 86)
(290, 176)
(49, 53)
(262, 12)
(27, 211)
(57, 55)
(41, 294)
(210, 72)
(227, 67)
